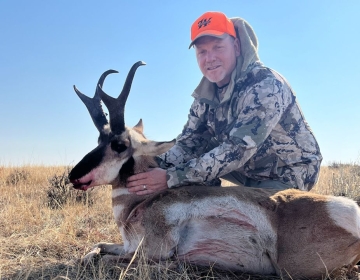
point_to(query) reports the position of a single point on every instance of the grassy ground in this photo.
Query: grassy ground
(45, 227)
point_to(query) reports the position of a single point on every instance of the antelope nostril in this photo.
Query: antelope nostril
(74, 181)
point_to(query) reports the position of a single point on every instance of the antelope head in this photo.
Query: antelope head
(119, 147)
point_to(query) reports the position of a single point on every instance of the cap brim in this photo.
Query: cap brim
(212, 33)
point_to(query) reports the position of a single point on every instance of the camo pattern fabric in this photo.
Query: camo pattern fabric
(261, 131)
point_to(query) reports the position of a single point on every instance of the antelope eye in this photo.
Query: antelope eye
(118, 147)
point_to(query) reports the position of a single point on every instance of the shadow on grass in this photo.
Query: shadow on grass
(66, 271)
(122, 272)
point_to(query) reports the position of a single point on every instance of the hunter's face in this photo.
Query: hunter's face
(216, 57)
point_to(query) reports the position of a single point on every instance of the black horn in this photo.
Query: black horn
(116, 106)
(94, 104)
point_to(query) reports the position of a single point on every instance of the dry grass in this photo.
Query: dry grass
(42, 242)
(340, 179)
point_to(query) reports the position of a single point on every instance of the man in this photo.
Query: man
(245, 124)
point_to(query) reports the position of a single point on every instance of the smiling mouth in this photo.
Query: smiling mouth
(81, 186)
(213, 67)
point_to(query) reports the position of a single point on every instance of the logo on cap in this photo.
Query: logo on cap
(211, 24)
(204, 22)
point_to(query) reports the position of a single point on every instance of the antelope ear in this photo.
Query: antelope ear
(158, 148)
(139, 127)
(162, 147)
(153, 148)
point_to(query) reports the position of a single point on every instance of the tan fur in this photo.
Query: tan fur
(309, 241)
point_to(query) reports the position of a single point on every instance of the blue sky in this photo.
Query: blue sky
(48, 46)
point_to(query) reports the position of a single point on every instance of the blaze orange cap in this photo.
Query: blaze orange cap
(211, 24)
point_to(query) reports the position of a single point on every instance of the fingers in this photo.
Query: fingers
(144, 192)
(139, 188)
(138, 176)
(148, 189)
(153, 180)
(137, 182)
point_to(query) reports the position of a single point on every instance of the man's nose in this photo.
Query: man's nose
(210, 56)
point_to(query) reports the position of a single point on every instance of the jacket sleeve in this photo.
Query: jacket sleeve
(257, 114)
(192, 141)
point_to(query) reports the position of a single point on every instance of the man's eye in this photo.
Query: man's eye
(118, 147)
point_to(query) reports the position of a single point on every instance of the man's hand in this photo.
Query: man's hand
(147, 182)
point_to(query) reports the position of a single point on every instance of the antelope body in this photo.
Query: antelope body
(238, 228)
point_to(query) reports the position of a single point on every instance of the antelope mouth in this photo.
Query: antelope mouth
(81, 186)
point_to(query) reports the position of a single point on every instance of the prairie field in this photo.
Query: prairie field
(46, 227)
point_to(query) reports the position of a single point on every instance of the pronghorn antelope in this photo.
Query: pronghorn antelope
(238, 228)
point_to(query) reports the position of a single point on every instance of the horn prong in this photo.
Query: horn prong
(94, 104)
(128, 82)
(116, 107)
(103, 76)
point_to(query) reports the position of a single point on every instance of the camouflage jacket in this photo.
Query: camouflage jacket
(261, 130)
